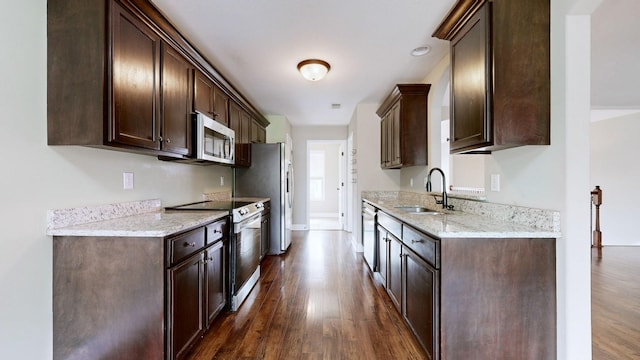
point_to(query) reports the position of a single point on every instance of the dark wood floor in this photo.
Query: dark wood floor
(316, 302)
(615, 303)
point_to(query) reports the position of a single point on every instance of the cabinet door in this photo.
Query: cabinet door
(383, 141)
(176, 102)
(236, 123)
(220, 106)
(471, 83)
(135, 74)
(245, 127)
(395, 156)
(215, 284)
(421, 301)
(186, 320)
(203, 94)
(394, 271)
(383, 254)
(262, 135)
(254, 131)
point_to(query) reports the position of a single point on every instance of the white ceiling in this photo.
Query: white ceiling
(256, 45)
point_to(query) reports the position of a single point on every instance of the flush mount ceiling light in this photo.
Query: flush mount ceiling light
(313, 69)
(421, 50)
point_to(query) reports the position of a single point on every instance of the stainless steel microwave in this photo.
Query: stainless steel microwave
(214, 141)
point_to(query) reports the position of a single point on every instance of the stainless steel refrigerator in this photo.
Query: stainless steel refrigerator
(270, 175)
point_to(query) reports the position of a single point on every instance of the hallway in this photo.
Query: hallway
(316, 302)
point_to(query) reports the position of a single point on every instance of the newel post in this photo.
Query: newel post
(596, 199)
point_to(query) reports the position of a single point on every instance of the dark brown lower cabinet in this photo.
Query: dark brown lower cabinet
(137, 297)
(421, 300)
(215, 284)
(394, 271)
(471, 298)
(186, 289)
(383, 254)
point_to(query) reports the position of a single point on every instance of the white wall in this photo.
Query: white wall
(36, 178)
(616, 169)
(300, 135)
(365, 125)
(278, 128)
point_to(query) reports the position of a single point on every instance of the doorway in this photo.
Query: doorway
(326, 184)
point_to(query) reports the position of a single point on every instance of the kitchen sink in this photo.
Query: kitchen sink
(418, 210)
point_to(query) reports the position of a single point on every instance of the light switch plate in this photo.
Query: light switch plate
(495, 182)
(127, 180)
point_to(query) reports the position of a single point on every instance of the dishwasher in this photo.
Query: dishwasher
(369, 235)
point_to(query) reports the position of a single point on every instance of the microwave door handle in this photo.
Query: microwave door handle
(231, 149)
(224, 147)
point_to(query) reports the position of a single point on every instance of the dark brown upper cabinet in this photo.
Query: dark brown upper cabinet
(176, 95)
(258, 132)
(148, 87)
(403, 126)
(210, 99)
(500, 73)
(240, 122)
(120, 76)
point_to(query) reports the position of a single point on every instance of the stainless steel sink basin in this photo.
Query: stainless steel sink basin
(418, 210)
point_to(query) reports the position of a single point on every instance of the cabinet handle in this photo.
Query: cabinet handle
(215, 114)
(193, 244)
(160, 139)
(216, 231)
(168, 140)
(417, 241)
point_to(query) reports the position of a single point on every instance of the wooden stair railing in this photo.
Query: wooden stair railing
(596, 200)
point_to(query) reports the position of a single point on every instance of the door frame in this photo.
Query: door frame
(342, 171)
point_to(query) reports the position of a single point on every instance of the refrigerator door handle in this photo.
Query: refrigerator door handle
(290, 187)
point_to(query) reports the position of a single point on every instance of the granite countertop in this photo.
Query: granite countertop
(458, 224)
(158, 224)
(144, 218)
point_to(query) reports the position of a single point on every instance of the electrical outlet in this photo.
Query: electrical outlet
(221, 180)
(127, 180)
(495, 182)
(411, 182)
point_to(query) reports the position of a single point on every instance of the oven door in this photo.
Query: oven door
(247, 237)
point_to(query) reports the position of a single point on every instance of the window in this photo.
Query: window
(316, 175)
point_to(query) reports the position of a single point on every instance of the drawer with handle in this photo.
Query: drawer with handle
(423, 245)
(186, 244)
(217, 230)
(391, 224)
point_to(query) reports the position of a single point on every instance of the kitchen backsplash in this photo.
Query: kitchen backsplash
(75, 216)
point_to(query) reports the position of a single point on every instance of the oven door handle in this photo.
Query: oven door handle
(238, 227)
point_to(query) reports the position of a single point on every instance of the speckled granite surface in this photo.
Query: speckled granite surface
(132, 219)
(217, 196)
(470, 218)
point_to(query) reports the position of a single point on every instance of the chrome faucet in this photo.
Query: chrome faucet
(444, 187)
